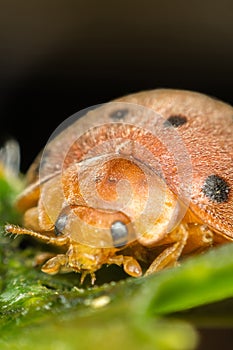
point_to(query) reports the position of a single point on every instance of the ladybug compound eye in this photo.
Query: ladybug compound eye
(95, 227)
(60, 224)
(119, 233)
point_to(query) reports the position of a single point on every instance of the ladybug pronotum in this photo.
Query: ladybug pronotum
(137, 182)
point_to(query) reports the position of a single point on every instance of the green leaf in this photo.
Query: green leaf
(202, 279)
(38, 311)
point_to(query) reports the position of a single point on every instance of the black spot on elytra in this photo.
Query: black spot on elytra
(175, 120)
(119, 114)
(216, 189)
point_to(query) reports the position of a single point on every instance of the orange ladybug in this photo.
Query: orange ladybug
(137, 182)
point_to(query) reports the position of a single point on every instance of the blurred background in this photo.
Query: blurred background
(57, 57)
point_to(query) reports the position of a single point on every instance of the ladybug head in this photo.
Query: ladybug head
(112, 202)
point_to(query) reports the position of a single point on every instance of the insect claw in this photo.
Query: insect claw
(93, 278)
(84, 275)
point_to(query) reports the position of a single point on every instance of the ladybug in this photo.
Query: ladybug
(140, 182)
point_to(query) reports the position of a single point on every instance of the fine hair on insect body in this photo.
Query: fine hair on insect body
(139, 181)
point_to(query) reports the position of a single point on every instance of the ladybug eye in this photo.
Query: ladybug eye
(60, 224)
(119, 233)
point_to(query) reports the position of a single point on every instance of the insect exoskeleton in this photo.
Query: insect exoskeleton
(136, 182)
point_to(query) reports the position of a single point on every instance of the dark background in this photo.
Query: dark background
(57, 57)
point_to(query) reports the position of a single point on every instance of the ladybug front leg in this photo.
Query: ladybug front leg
(130, 265)
(60, 264)
(170, 255)
(57, 264)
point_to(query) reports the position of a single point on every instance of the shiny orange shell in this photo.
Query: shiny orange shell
(205, 126)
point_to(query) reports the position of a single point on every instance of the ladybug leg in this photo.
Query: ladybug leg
(130, 265)
(41, 258)
(170, 255)
(201, 237)
(59, 263)
(85, 273)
